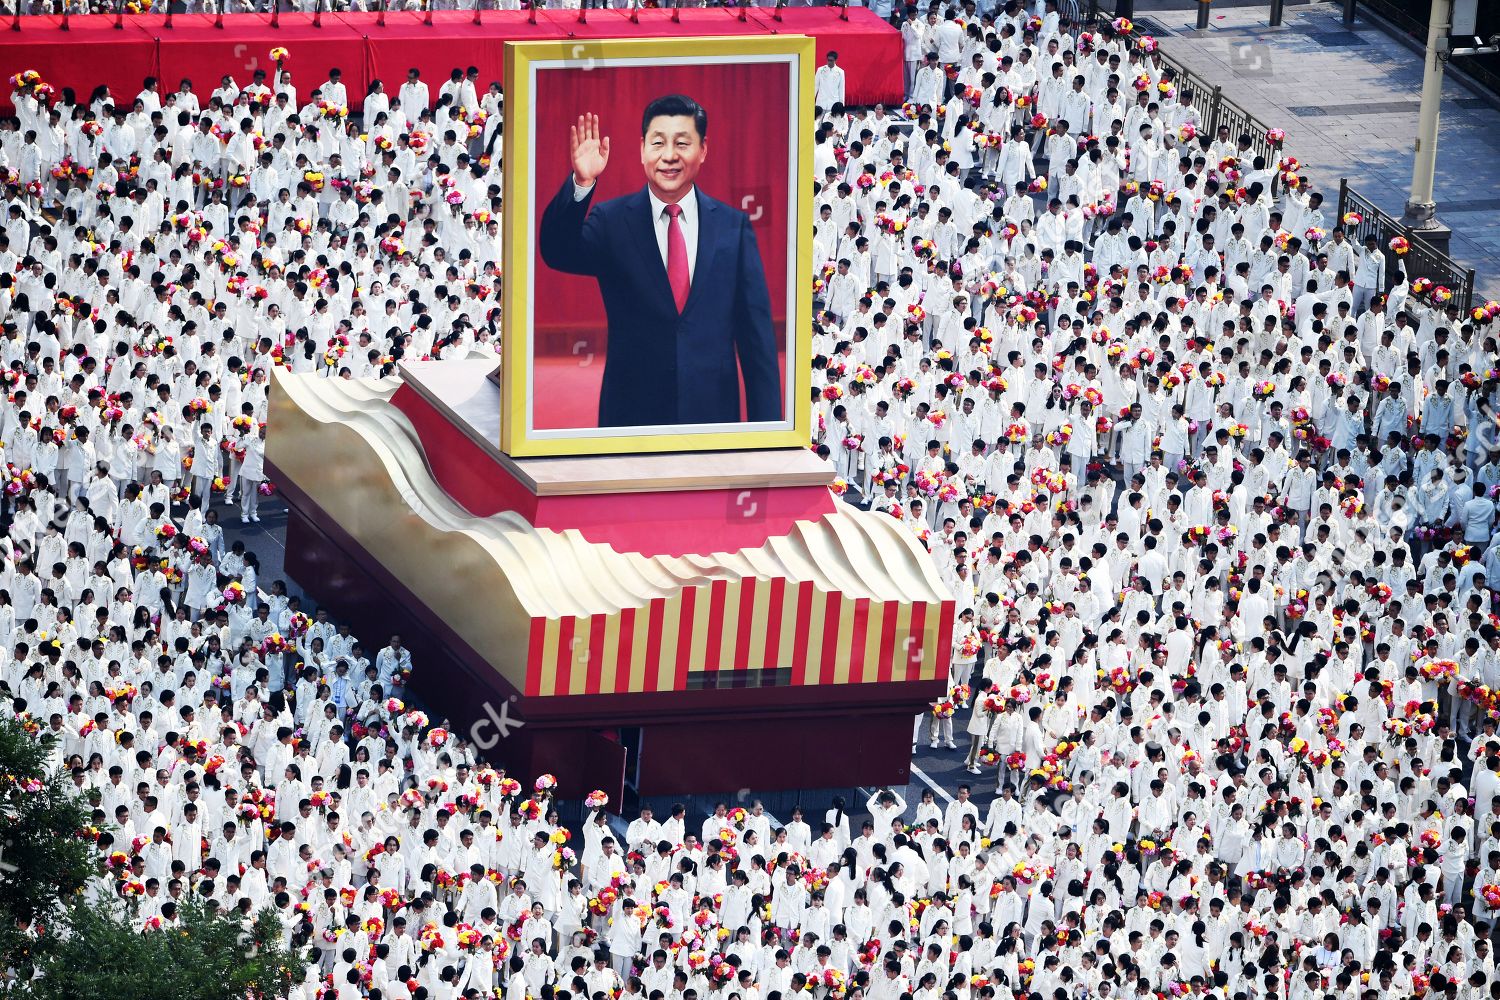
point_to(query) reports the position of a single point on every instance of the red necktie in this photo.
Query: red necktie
(677, 259)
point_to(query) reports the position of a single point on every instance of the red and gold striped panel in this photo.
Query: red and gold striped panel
(729, 627)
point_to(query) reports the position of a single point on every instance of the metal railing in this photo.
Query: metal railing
(1214, 109)
(1421, 259)
(1242, 122)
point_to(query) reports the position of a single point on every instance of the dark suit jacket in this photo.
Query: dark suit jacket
(662, 367)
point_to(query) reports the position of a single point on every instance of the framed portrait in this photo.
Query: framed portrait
(656, 245)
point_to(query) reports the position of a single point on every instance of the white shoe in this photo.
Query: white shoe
(950, 746)
(255, 518)
(972, 769)
(244, 519)
(932, 745)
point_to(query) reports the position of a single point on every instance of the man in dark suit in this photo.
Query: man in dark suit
(683, 284)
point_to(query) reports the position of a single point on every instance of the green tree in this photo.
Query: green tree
(204, 955)
(48, 855)
(47, 852)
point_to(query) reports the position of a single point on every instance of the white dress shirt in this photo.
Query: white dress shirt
(688, 221)
(828, 86)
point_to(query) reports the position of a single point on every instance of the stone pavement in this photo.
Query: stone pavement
(1348, 101)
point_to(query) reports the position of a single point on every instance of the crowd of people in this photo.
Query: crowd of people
(1211, 483)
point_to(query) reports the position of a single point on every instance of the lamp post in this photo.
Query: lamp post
(1421, 208)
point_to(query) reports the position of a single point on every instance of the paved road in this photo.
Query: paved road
(266, 539)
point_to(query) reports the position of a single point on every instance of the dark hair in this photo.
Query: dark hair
(672, 105)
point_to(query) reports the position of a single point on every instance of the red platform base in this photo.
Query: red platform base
(652, 504)
(621, 642)
(93, 51)
(690, 742)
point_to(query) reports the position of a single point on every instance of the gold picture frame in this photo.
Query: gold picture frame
(523, 62)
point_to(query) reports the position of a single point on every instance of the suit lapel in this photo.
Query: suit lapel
(643, 234)
(713, 222)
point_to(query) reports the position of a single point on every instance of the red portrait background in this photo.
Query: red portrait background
(748, 162)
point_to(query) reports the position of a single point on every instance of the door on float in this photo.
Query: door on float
(605, 767)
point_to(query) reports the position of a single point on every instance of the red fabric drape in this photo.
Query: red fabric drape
(93, 52)
(746, 168)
